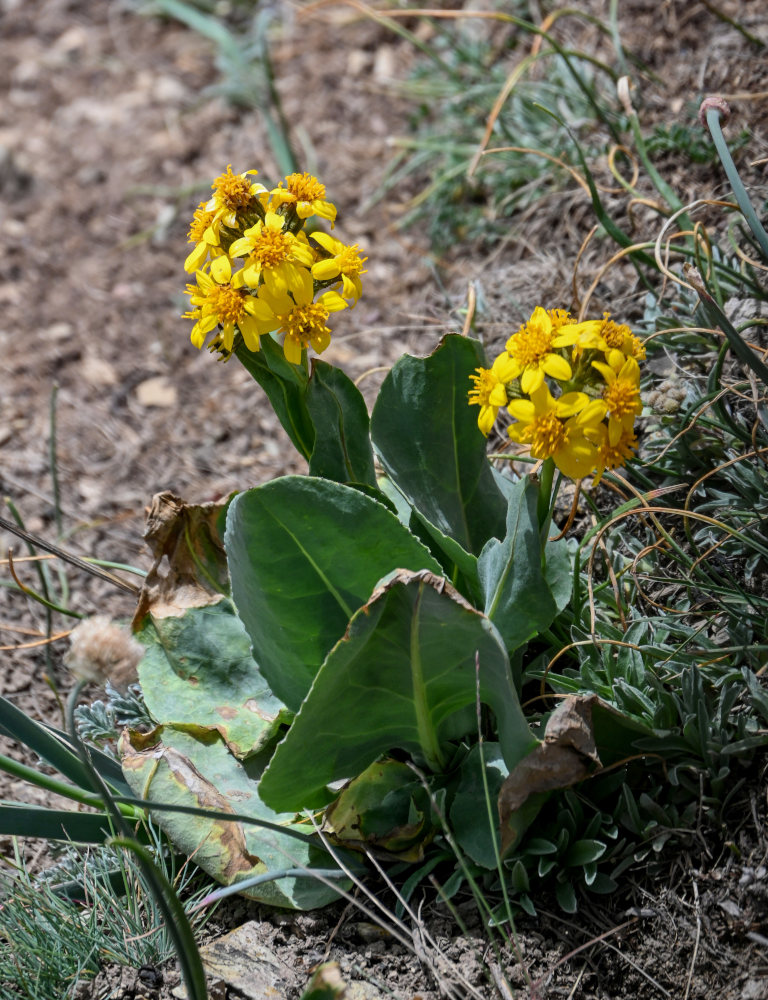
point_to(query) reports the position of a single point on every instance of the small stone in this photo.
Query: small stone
(755, 989)
(239, 961)
(157, 391)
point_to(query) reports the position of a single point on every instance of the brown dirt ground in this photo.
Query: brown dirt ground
(109, 136)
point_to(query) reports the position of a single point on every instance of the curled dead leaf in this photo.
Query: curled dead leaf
(565, 756)
(189, 568)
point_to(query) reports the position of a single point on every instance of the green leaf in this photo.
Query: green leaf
(714, 316)
(566, 897)
(518, 877)
(178, 768)
(518, 599)
(546, 865)
(538, 845)
(427, 437)
(558, 572)
(403, 676)
(304, 555)
(582, 852)
(342, 450)
(473, 825)
(603, 884)
(386, 808)
(198, 673)
(22, 820)
(286, 386)
(451, 556)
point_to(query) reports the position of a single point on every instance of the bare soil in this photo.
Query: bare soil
(110, 135)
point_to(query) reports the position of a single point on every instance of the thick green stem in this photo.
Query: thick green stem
(546, 496)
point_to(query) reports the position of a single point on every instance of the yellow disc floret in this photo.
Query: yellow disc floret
(548, 435)
(303, 321)
(533, 350)
(305, 194)
(273, 253)
(233, 191)
(219, 301)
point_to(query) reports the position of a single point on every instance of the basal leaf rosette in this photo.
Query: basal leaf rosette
(257, 272)
(572, 390)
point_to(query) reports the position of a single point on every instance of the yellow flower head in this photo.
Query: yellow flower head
(219, 300)
(274, 253)
(611, 336)
(234, 195)
(561, 429)
(302, 321)
(533, 348)
(342, 262)
(305, 194)
(613, 456)
(202, 234)
(621, 395)
(490, 391)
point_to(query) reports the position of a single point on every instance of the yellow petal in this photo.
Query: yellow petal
(532, 379)
(504, 368)
(557, 367)
(487, 419)
(333, 302)
(324, 270)
(522, 409)
(570, 403)
(328, 242)
(592, 414)
(498, 395)
(240, 247)
(292, 350)
(578, 460)
(197, 258)
(606, 371)
(221, 270)
(320, 341)
(250, 331)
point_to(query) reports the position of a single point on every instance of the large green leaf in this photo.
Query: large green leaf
(304, 555)
(342, 450)
(286, 386)
(198, 673)
(427, 437)
(404, 676)
(179, 768)
(518, 598)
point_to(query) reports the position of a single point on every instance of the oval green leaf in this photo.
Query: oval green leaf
(427, 437)
(304, 555)
(404, 676)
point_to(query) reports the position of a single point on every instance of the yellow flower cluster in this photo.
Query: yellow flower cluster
(587, 425)
(256, 270)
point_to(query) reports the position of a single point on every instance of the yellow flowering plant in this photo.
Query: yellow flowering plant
(572, 390)
(309, 639)
(264, 289)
